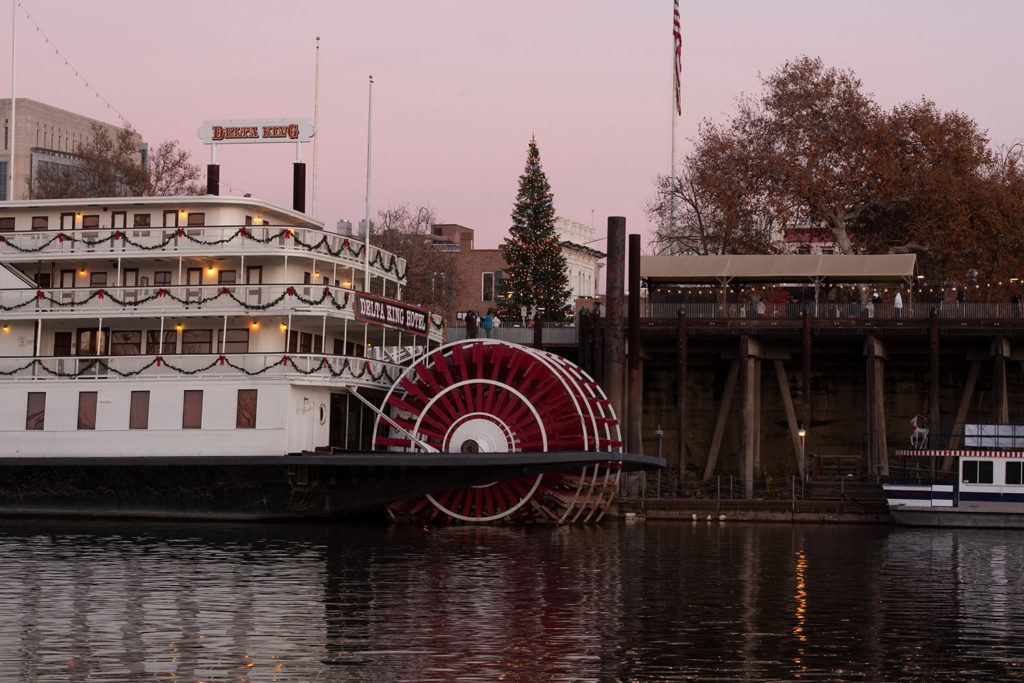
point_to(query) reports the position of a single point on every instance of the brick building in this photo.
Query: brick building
(480, 270)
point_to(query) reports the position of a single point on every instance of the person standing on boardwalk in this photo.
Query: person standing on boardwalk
(488, 324)
(897, 305)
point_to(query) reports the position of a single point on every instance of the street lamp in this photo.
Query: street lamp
(659, 433)
(803, 450)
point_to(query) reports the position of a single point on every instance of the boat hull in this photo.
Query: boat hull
(259, 487)
(951, 518)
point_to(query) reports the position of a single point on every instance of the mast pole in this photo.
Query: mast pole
(316, 120)
(14, 126)
(366, 243)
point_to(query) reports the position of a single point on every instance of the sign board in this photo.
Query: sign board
(263, 130)
(387, 312)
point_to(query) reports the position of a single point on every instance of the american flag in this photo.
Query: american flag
(678, 39)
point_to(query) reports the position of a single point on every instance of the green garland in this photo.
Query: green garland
(346, 366)
(319, 245)
(327, 295)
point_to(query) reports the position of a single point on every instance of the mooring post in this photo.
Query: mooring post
(614, 350)
(634, 389)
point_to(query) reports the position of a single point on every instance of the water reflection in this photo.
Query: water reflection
(125, 602)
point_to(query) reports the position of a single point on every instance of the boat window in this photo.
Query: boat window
(126, 342)
(138, 417)
(245, 416)
(192, 410)
(977, 471)
(36, 414)
(90, 222)
(40, 222)
(6, 223)
(170, 345)
(236, 340)
(162, 278)
(197, 341)
(1013, 472)
(87, 410)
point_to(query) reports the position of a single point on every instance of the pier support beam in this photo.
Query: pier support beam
(681, 400)
(961, 412)
(723, 414)
(878, 452)
(933, 367)
(791, 423)
(1000, 352)
(750, 413)
(805, 392)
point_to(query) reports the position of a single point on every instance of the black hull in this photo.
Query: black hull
(257, 488)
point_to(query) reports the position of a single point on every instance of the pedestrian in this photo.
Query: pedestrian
(897, 305)
(1016, 304)
(875, 301)
(488, 324)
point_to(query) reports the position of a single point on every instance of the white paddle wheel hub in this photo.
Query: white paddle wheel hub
(489, 396)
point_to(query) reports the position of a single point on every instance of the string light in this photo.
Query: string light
(72, 67)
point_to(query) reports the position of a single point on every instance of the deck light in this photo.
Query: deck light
(82, 272)
(255, 325)
(179, 327)
(6, 328)
(182, 213)
(284, 327)
(211, 271)
(347, 284)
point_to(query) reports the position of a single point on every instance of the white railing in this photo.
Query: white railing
(218, 299)
(885, 311)
(303, 368)
(31, 245)
(519, 335)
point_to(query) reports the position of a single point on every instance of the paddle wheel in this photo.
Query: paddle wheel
(489, 396)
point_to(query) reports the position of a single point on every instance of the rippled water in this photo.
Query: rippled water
(656, 601)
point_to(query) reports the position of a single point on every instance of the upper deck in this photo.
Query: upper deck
(81, 230)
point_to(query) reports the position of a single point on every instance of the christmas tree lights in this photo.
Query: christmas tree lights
(536, 276)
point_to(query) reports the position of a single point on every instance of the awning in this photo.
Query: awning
(792, 268)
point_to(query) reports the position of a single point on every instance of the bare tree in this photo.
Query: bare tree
(172, 173)
(693, 218)
(432, 279)
(111, 166)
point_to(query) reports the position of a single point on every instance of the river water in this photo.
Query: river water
(120, 601)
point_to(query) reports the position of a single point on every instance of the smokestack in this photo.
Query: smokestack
(299, 186)
(213, 179)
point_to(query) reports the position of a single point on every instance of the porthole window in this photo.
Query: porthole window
(323, 414)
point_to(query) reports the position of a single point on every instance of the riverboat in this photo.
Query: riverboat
(985, 488)
(223, 357)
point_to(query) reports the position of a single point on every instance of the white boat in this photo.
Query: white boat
(192, 326)
(985, 488)
(222, 357)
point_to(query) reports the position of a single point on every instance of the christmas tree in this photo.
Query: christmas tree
(536, 274)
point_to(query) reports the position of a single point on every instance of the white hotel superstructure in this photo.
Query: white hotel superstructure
(193, 326)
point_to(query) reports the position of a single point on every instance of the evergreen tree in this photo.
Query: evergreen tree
(536, 274)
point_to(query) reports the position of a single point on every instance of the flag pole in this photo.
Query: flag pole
(316, 120)
(14, 121)
(366, 242)
(677, 109)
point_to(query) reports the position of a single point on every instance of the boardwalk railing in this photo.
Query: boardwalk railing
(830, 310)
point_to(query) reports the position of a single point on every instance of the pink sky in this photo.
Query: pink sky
(461, 85)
